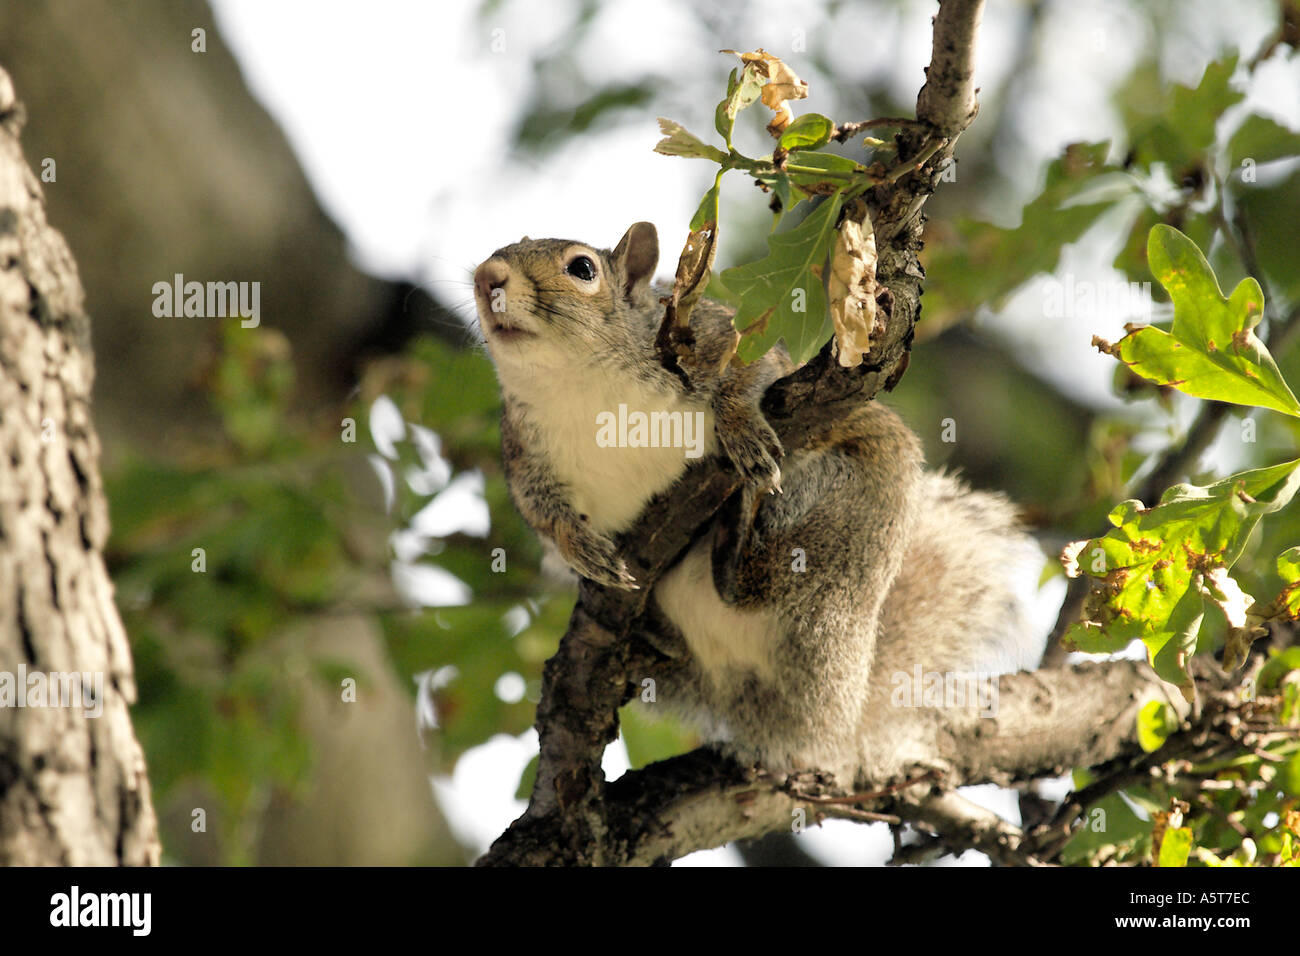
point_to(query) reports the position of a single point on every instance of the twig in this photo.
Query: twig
(849, 130)
(865, 816)
(912, 165)
(855, 798)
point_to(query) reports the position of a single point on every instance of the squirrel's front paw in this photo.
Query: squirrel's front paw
(596, 557)
(755, 450)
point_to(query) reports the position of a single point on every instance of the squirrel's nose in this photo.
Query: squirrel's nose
(490, 276)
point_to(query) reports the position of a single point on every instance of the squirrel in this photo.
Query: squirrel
(789, 637)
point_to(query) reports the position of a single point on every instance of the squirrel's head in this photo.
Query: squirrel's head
(550, 302)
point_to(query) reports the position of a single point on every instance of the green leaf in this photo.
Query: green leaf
(1278, 666)
(1176, 127)
(717, 291)
(810, 131)
(1261, 140)
(1132, 257)
(1155, 722)
(1109, 826)
(742, 91)
(781, 295)
(708, 208)
(465, 416)
(1290, 714)
(551, 120)
(527, 779)
(819, 173)
(1176, 847)
(475, 640)
(781, 186)
(1288, 569)
(1152, 565)
(678, 142)
(649, 738)
(1288, 851)
(984, 263)
(812, 175)
(1211, 351)
(1193, 113)
(1288, 776)
(825, 162)
(1272, 212)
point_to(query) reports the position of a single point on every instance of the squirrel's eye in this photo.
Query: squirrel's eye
(582, 268)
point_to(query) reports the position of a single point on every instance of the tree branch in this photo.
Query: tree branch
(947, 100)
(1046, 723)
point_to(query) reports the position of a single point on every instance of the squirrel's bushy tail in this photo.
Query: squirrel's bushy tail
(958, 586)
(958, 610)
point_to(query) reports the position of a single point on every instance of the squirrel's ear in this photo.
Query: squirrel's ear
(636, 256)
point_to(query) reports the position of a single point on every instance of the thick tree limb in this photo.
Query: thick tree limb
(588, 679)
(947, 101)
(1046, 723)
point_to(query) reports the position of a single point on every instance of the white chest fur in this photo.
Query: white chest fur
(614, 446)
(721, 638)
(611, 471)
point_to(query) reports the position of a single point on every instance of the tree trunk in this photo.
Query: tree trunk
(73, 789)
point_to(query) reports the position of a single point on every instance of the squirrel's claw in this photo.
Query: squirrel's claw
(596, 557)
(755, 451)
(620, 577)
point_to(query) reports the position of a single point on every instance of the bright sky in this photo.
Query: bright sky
(401, 111)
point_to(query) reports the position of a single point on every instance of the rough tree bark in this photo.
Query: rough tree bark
(1047, 721)
(73, 789)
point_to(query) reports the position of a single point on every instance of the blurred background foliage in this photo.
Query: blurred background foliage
(231, 446)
